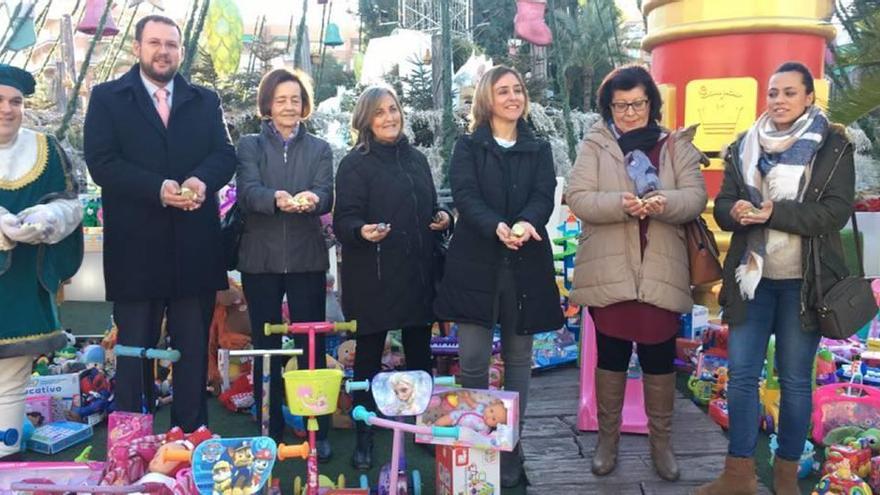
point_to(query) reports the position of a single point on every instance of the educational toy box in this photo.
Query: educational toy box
(55, 437)
(461, 470)
(488, 419)
(64, 390)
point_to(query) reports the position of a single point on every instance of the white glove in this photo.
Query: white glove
(6, 244)
(15, 229)
(56, 220)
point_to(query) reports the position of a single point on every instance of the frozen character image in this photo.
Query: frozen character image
(402, 393)
(404, 390)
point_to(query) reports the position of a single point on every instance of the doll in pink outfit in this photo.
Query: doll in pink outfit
(482, 417)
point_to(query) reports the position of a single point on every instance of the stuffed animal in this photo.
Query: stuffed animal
(230, 329)
(345, 353)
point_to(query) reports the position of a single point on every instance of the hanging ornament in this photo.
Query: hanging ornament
(223, 35)
(332, 37)
(92, 17)
(22, 22)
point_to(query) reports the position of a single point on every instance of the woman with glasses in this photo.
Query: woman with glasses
(633, 186)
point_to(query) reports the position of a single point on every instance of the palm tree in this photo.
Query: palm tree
(594, 33)
(855, 68)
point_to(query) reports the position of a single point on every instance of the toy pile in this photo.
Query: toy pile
(846, 399)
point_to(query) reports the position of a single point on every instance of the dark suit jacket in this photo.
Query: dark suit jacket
(152, 251)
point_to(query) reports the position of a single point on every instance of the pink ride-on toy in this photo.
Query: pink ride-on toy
(634, 418)
(310, 393)
(400, 393)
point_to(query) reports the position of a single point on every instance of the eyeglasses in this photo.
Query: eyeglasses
(621, 106)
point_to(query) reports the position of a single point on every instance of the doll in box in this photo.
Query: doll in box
(482, 416)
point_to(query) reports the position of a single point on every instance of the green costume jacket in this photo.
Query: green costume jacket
(35, 171)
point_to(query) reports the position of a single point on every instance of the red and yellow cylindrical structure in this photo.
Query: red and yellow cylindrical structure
(722, 44)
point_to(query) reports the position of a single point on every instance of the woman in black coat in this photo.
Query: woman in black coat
(386, 218)
(500, 265)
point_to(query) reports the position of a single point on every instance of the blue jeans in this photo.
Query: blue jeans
(774, 310)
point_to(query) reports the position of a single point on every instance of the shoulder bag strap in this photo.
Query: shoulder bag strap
(814, 240)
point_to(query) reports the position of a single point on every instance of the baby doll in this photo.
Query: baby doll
(482, 417)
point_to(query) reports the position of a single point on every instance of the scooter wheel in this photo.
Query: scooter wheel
(340, 481)
(365, 482)
(416, 482)
(298, 486)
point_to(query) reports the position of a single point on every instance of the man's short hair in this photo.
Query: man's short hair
(139, 27)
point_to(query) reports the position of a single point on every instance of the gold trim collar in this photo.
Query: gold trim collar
(24, 161)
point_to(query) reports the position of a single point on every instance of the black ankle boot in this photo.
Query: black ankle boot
(362, 458)
(511, 467)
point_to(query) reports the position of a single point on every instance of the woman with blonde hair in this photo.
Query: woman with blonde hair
(386, 218)
(499, 267)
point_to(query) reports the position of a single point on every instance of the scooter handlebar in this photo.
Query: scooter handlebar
(172, 355)
(293, 451)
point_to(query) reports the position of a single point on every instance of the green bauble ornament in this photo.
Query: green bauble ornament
(223, 36)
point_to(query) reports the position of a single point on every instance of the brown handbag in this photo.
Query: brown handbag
(702, 252)
(701, 246)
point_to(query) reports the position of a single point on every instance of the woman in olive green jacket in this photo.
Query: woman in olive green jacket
(788, 179)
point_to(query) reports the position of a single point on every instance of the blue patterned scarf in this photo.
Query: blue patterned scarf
(775, 165)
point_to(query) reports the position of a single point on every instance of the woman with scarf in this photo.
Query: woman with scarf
(633, 186)
(772, 199)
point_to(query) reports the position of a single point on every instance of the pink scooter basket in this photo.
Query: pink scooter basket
(844, 404)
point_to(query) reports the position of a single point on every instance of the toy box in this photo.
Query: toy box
(554, 348)
(64, 389)
(65, 473)
(693, 324)
(55, 437)
(461, 470)
(38, 408)
(488, 419)
(125, 427)
(844, 404)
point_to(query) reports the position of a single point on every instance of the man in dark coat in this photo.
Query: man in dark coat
(158, 147)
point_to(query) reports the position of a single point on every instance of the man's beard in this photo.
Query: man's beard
(163, 77)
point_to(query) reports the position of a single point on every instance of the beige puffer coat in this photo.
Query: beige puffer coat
(609, 267)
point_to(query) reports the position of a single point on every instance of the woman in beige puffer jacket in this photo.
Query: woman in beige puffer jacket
(633, 187)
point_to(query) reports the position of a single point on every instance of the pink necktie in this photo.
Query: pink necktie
(162, 107)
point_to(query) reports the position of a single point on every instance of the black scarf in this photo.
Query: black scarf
(643, 138)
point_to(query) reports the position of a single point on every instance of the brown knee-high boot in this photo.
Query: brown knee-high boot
(610, 389)
(659, 402)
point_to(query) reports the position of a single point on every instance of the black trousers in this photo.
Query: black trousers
(368, 357)
(306, 299)
(140, 325)
(613, 355)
